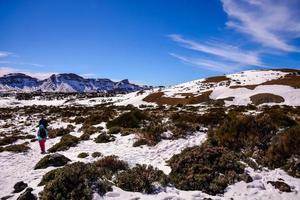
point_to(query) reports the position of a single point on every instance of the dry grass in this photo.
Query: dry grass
(216, 79)
(192, 99)
(291, 79)
(261, 98)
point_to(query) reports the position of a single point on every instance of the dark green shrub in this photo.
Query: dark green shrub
(140, 179)
(152, 133)
(111, 163)
(241, 131)
(16, 148)
(205, 168)
(280, 117)
(49, 176)
(104, 138)
(65, 143)
(74, 181)
(55, 160)
(83, 155)
(96, 154)
(140, 142)
(130, 119)
(283, 146)
(53, 133)
(114, 130)
(212, 117)
(8, 140)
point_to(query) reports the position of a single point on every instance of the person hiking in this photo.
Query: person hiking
(43, 122)
(42, 136)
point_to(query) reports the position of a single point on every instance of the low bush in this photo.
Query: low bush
(114, 130)
(242, 131)
(74, 181)
(96, 154)
(283, 146)
(212, 117)
(8, 140)
(53, 133)
(130, 119)
(65, 143)
(55, 160)
(83, 155)
(16, 148)
(141, 178)
(104, 138)
(205, 168)
(111, 163)
(151, 133)
(140, 142)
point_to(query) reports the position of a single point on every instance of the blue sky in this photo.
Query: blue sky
(148, 41)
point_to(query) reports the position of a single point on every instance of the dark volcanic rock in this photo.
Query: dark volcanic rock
(19, 186)
(282, 186)
(55, 160)
(27, 195)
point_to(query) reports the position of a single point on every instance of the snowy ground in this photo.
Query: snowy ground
(19, 167)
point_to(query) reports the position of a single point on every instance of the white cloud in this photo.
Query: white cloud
(209, 64)
(4, 54)
(272, 23)
(39, 75)
(21, 63)
(88, 75)
(223, 51)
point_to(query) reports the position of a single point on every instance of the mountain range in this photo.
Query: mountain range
(66, 82)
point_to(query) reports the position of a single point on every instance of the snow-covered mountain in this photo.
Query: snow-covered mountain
(277, 86)
(67, 82)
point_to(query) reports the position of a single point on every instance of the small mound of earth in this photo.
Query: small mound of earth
(19, 186)
(282, 186)
(27, 195)
(55, 160)
(261, 98)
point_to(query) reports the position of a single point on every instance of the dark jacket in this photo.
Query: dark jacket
(44, 123)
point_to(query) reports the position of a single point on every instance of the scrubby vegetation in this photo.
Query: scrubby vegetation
(65, 143)
(83, 155)
(55, 160)
(79, 180)
(141, 179)
(16, 148)
(130, 119)
(205, 168)
(104, 138)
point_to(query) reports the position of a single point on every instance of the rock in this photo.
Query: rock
(292, 166)
(6, 197)
(27, 195)
(282, 186)
(55, 160)
(245, 177)
(19, 186)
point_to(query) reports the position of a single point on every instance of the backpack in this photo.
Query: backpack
(42, 133)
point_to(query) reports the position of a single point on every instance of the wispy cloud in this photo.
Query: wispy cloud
(4, 54)
(88, 75)
(272, 23)
(21, 63)
(209, 64)
(223, 51)
(39, 75)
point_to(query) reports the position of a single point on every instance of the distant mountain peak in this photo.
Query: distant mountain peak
(64, 82)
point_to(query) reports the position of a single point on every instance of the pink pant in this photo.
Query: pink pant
(42, 144)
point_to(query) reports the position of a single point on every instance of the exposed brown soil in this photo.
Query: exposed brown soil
(291, 79)
(216, 79)
(286, 70)
(191, 99)
(266, 98)
(250, 87)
